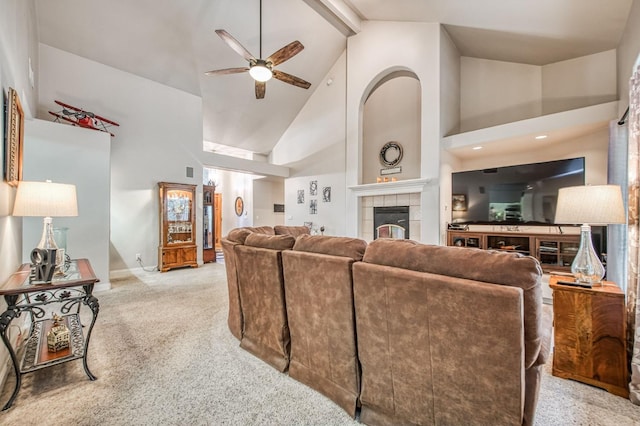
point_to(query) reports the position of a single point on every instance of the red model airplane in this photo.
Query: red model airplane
(82, 118)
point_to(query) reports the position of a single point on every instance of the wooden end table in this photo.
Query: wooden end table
(70, 291)
(590, 335)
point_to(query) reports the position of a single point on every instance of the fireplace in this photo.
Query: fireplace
(391, 222)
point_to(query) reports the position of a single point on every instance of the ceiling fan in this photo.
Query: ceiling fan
(262, 69)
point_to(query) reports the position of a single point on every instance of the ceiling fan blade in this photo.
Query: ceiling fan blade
(261, 87)
(227, 71)
(235, 45)
(291, 79)
(287, 52)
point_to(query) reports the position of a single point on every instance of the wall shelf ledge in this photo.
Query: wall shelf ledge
(386, 188)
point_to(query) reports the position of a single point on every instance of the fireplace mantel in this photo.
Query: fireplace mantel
(386, 188)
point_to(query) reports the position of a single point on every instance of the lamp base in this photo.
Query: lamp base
(586, 266)
(47, 241)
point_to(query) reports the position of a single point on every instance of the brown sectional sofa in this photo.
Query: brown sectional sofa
(411, 333)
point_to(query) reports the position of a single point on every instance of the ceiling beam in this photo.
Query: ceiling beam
(339, 14)
(235, 164)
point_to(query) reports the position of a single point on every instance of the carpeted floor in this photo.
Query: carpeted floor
(164, 356)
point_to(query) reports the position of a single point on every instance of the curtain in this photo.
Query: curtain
(633, 281)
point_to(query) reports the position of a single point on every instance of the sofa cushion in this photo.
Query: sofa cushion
(273, 242)
(489, 266)
(335, 246)
(291, 230)
(239, 235)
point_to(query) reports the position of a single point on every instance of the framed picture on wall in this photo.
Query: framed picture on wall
(239, 206)
(14, 139)
(459, 202)
(300, 196)
(326, 194)
(313, 187)
(313, 206)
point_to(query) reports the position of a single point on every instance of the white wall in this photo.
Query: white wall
(496, 92)
(67, 154)
(579, 82)
(160, 134)
(392, 113)
(449, 85)
(379, 49)
(314, 149)
(18, 43)
(266, 193)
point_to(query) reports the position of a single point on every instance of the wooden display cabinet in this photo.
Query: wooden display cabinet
(208, 224)
(590, 335)
(177, 226)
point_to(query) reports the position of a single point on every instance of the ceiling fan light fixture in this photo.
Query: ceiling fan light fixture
(260, 71)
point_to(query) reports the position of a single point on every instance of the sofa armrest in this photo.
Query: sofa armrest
(545, 336)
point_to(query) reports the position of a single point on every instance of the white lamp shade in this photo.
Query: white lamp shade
(45, 199)
(590, 204)
(260, 73)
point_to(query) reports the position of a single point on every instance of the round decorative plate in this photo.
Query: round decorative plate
(239, 206)
(391, 154)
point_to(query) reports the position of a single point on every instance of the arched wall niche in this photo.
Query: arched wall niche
(390, 111)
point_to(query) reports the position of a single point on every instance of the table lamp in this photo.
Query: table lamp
(46, 199)
(589, 205)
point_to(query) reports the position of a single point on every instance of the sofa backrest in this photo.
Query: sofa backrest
(441, 333)
(291, 230)
(353, 248)
(238, 235)
(261, 289)
(319, 299)
(503, 268)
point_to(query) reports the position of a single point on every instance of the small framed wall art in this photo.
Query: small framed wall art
(239, 206)
(15, 138)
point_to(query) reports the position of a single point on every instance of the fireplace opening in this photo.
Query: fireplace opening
(391, 222)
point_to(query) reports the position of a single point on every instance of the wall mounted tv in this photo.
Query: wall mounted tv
(513, 195)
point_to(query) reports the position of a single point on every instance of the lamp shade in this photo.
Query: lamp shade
(590, 204)
(45, 199)
(260, 71)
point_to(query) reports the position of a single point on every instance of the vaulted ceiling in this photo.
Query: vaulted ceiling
(173, 42)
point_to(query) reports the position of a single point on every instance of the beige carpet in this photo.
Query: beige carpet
(164, 356)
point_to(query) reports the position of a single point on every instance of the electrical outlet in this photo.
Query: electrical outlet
(138, 257)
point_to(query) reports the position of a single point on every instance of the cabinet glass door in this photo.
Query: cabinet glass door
(179, 211)
(568, 251)
(207, 238)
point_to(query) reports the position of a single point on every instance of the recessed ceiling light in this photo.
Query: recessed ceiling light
(475, 148)
(541, 137)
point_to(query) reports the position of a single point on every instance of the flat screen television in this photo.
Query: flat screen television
(513, 195)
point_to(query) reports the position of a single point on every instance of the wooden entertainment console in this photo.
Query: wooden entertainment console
(554, 251)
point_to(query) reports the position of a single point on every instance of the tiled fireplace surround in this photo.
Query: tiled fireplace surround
(367, 203)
